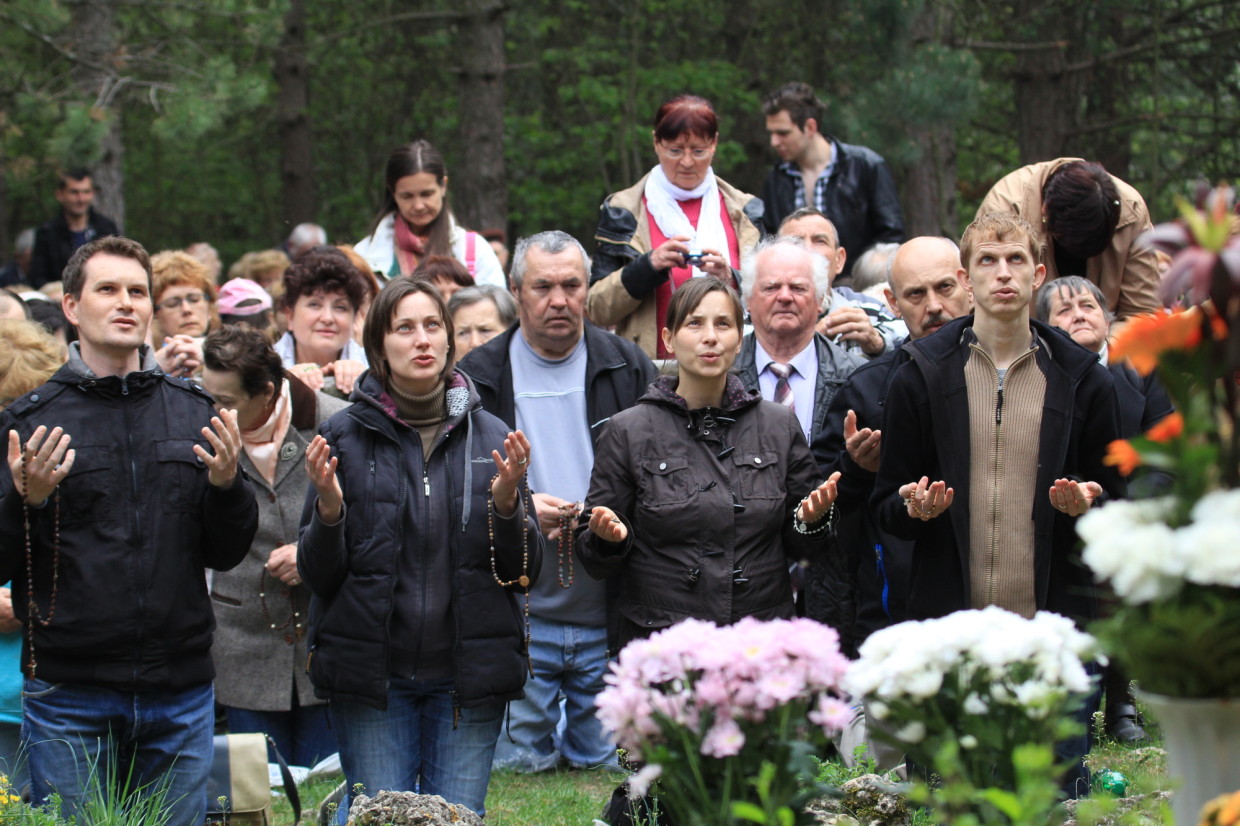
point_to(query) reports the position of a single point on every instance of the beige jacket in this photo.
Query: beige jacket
(1126, 273)
(623, 241)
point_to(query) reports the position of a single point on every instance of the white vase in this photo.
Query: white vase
(1202, 739)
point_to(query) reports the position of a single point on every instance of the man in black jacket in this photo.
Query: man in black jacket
(559, 379)
(923, 291)
(994, 436)
(849, 184)
(76, 224)
(123, 488)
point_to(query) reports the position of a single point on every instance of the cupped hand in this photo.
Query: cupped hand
(1072, 498)
(924, 500)
(510, 468)
(321, 468)
(815, 506)
(865, 446)
(224, 436)
(606, 525)
(48, 462)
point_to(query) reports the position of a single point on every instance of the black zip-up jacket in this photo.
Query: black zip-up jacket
(53, 245)
(617, 374)
(707, 497)
(862, 200)
(427, 521)
(139, 522)
(926, 433)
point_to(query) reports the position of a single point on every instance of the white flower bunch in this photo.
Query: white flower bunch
(1026, 660)
(988, 680)
(1130, 544)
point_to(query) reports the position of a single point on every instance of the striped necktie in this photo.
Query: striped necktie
(783, 390)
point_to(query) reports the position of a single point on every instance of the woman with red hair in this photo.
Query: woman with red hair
(676, 223)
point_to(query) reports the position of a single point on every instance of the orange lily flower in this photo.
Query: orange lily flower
(1169, 428)
(1121, 454)
(1144, 338)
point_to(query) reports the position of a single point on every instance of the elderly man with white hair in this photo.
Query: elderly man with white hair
(783, 283)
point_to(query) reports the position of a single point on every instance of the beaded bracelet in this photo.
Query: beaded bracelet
(823, 523)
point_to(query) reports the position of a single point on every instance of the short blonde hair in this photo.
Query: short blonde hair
(252, 263)
(1001, 226)
(31, 356)
(174, 268)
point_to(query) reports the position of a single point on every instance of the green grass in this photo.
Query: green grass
(575, 798)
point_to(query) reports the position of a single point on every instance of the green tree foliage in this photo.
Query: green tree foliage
(962, 88)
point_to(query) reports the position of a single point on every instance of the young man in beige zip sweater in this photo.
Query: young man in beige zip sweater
(993, 440)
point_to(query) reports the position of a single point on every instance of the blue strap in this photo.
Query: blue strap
(882, 574)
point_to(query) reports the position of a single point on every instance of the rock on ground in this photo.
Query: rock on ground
(869, 800)
(409, 809)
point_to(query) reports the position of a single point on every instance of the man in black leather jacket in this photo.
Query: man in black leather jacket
(123, 487)
(76, 224)
(850, 184)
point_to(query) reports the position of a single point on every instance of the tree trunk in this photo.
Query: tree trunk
(299, 199)
(929, 191)
(929, 200)
(479, 186)
(1045, 95)
(92, 40)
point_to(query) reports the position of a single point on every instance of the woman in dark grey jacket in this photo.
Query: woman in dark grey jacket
(261, 606)
(416, 556)
(702, 493)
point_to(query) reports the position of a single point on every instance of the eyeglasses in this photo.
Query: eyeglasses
(175, 303)
(699, 153)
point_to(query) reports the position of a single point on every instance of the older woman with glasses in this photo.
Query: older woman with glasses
(676, 223)
(185, 312)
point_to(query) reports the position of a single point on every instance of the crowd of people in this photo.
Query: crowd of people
(404, 500)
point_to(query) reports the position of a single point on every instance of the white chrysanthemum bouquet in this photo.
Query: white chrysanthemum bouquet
(730, 716)
(982, 682)
(1177, 631)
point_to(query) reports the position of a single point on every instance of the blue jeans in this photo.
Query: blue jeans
(569, 664)
(86, 740)
(413, 746)
(303, 734)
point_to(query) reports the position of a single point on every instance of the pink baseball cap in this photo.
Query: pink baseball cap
(241, 296)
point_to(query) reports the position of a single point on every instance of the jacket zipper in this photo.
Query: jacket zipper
(135, 511)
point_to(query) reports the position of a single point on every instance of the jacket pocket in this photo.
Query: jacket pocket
(179, 467)
(87, 491)
(665, 481)
(759, 475)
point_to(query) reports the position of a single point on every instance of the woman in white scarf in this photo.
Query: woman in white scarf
(679, 222)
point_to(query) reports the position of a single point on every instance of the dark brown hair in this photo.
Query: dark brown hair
(74, 277)
(686, 115)
(434, 267)
(383, 311)
(411, 159)
(327, 269)
(247, 352)
(1082, 208)
(689, 295)
(798, 100)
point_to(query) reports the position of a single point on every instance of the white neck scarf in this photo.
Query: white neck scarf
(662, 202)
